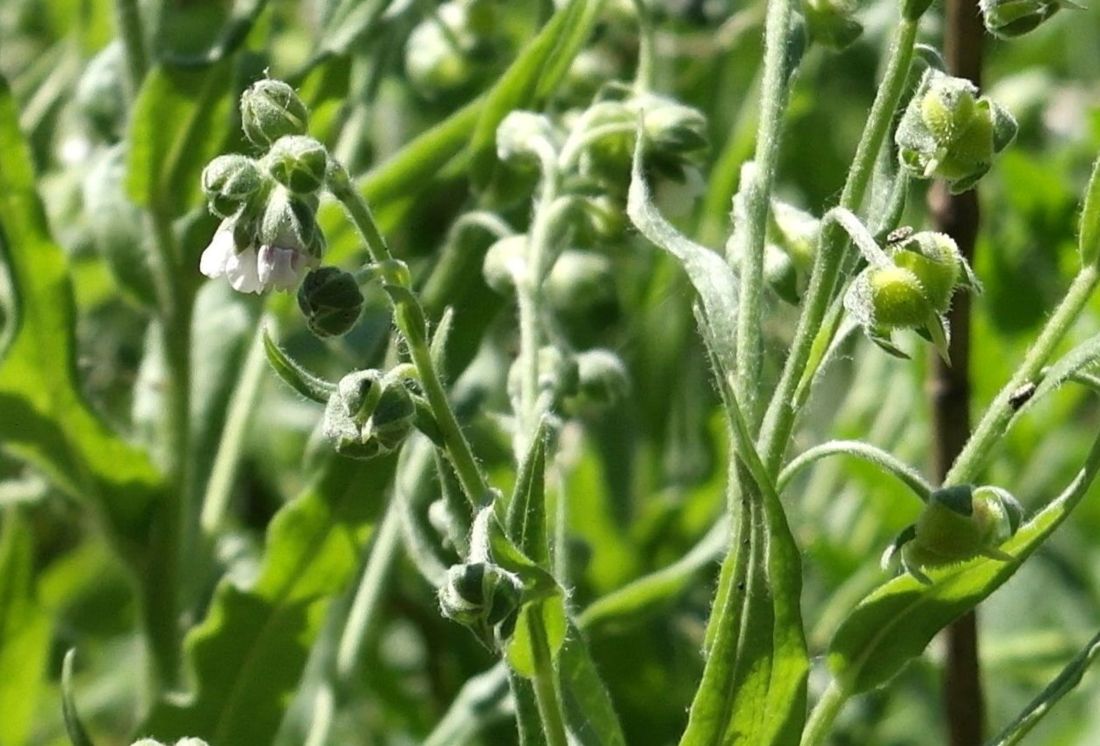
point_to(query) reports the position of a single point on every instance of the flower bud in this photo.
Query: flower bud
(229, 182)
(523, 135)
(602, 220)
(393, 418)
(479, 595)
(580, 281)
(830, 22)
(331, 301)
(270, 109)
(948, 132)
(505, 261)
(603, 379)
(780, 274)
(897, 297)
(299, 163)
(934, 260)
(1009, 18)
(795, 231)
(671, 127)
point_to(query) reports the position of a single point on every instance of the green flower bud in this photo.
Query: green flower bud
(603, 379)
(369, 415)
(580, 281)
(505, 261)
(830, 22)
(671, 127)
(602, 220)
(897, 297)
(479, 595)
(523, 135)
(359, 393)
(299, 163)
(270, 109)
(795, 231)
(1009, 18)
(394, 416)
(958, 524)
(779, 271)
(949, 133)
(330, 300)
(934, 260)
(230, 182)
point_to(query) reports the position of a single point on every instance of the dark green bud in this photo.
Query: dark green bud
(1009, 18)
(394, 416)
(299, 163)
(330, 300)
(270, 109)
(479, 595)
(230, 182)
(369, 415)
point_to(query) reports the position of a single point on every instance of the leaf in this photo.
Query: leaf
(520, 651)
(294, 375)
(1077, 360)
(177, 126)
(531, 79)
(1037, 709)
(708, 272)
(1088, 241)
(479, 702)
(24, 632)
(884, 460)
(249, 652)
(349, 21)
(589, 713)
(526, 521)
(44, 417)
(897, 620)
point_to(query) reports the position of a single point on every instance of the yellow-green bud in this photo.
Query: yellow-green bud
(935, 261)
(897, 297)
(270, 109)
(1009, 18)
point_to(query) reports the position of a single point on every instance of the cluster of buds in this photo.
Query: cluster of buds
(483, 597)
(957, 524)
(948, 132)
(1008, 18)
(269, 237)
(370, 414)
(910, 287)
(583, 381)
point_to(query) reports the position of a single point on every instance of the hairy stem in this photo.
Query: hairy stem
(757, 196)
(823, 715)
(779, 420)
(546, 692)
(128, 18)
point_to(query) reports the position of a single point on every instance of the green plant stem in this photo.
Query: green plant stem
(546, 692)
(365, 606)
(757, 196)
(643, 75)
(410, 320)
(780, 416)
(995, 421)
(823, 715)
(128, 18)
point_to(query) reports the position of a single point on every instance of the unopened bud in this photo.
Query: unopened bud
(229, 182)
(935, 261)
(299, 163)
(830, 22)
(504, 262)
(523, 135)
(331, 301)
(270, 109)
(603, 379)
(1008, 18)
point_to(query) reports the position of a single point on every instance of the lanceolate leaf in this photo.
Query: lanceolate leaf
(895, 622)
(526, 521)
(43, 415)
(589, 714)
(249, 653)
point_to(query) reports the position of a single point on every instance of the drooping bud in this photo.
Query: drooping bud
(481, 596)
(1009, 18)
(299, 163)
(950, 133)
(897, 298)
(603, 378)
(504, 262)
(523, 135)
(369, 414)
(230, 182)
(830, 22)
(934, 260)
(330, 300)
(270, 109)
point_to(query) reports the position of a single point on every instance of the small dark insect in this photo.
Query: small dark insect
(1021, 395)
(898, 235)
(741, 586)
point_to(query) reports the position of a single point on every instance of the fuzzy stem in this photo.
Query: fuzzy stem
(779, 420)
(410, 320)
(773, 104)
(128, 18)
(823, 715)
(546, 692)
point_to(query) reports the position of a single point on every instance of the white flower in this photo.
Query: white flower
(283, 268)
(242, 273)
(221, 249)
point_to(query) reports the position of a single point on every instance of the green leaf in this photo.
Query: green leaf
(531, 79)
(1088, 240)
(709, 273)
(526, 521)
(479, 702)
(520, 651)
(24, 632)
(294, 375)
(589, 713)
(249, 652)
(177, 126)
(1077, 360)
(897, 620)
(528, 719)
(44, 417)
(1037, 709)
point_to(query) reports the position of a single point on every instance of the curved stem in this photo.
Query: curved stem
(872, 454)
(823, 715)
(779, 420)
